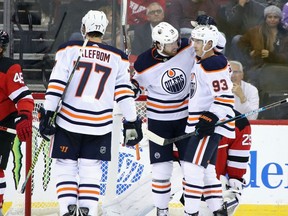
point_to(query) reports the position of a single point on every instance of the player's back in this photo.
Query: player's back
(100, 77)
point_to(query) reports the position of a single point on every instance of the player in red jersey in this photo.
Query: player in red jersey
(232, 160)
(16, 105)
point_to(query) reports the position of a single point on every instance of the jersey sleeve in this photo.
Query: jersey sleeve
(17, 90)
(124, 94)
(58, 80)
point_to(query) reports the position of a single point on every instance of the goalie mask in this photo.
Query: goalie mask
(4, 39)
(164, 33)
(206, 33)
(94, 21)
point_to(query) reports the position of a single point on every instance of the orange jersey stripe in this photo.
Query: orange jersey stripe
(166, 107)
(224, 100)
(124, 92)
(86, 117)
(55, 87)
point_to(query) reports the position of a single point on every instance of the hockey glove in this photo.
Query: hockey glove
(24, 125)
(46, 127)
(206, 124)
(136, 88)
(132, 132)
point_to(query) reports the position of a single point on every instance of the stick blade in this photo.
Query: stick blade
(153, 137)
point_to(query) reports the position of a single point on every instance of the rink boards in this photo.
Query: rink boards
(266, 177)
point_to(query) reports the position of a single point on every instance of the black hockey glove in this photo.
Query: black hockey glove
(136, 88)
(46, 127)
(206, 124)
(132, 132)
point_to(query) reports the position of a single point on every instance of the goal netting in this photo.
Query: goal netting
(43, 193)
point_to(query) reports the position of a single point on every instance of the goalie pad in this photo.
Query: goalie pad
(135, 201)
(232, 190)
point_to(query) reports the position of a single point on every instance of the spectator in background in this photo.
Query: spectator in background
(244, 15)
(265, 43)
(246, 95)
(181, 12)
(240, 17)
(136, 13)
(107, 38)
(142, 33)
(278, 3)
(285, 16)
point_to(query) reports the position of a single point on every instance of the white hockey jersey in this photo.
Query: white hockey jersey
(101, 77)
(166, 81)
(211, 90)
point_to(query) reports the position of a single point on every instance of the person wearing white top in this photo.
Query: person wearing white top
(246, 95)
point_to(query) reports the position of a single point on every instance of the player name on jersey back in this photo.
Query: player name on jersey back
(96, 54)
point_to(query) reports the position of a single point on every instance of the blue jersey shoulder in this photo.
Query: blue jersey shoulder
(145, 60)
(90, 43)
(151, 57)
(215, 62)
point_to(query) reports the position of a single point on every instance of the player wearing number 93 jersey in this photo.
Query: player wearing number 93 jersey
(211, 100)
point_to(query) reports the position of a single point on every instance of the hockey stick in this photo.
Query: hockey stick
(163, 141)
(125, 42)
(123, 23)
(9, 130)
(52, 121)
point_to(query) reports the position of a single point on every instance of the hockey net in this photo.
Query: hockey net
(43, 192)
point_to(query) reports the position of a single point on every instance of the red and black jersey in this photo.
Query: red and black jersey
(14, 94)
(233, 154)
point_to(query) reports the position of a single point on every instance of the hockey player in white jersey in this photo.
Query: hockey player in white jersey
(211, 100)
(82, 135)
(164, 72)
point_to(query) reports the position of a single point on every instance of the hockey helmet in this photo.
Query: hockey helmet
(206, 33)
(164, 33)
(94, 21)
(4, 39)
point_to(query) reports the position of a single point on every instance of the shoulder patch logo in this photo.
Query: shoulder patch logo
(174, 81)
(193, 85)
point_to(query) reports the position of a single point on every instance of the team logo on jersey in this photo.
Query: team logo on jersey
(174, 81)
(193, 85)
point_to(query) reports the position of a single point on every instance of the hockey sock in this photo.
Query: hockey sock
(67, 186)
(161, 185)
(212, 189)
(89, 184)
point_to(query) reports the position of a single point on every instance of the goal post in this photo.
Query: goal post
(121, 174)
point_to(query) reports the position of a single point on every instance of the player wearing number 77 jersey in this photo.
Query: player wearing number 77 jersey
(211, 100)
(82, 136)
